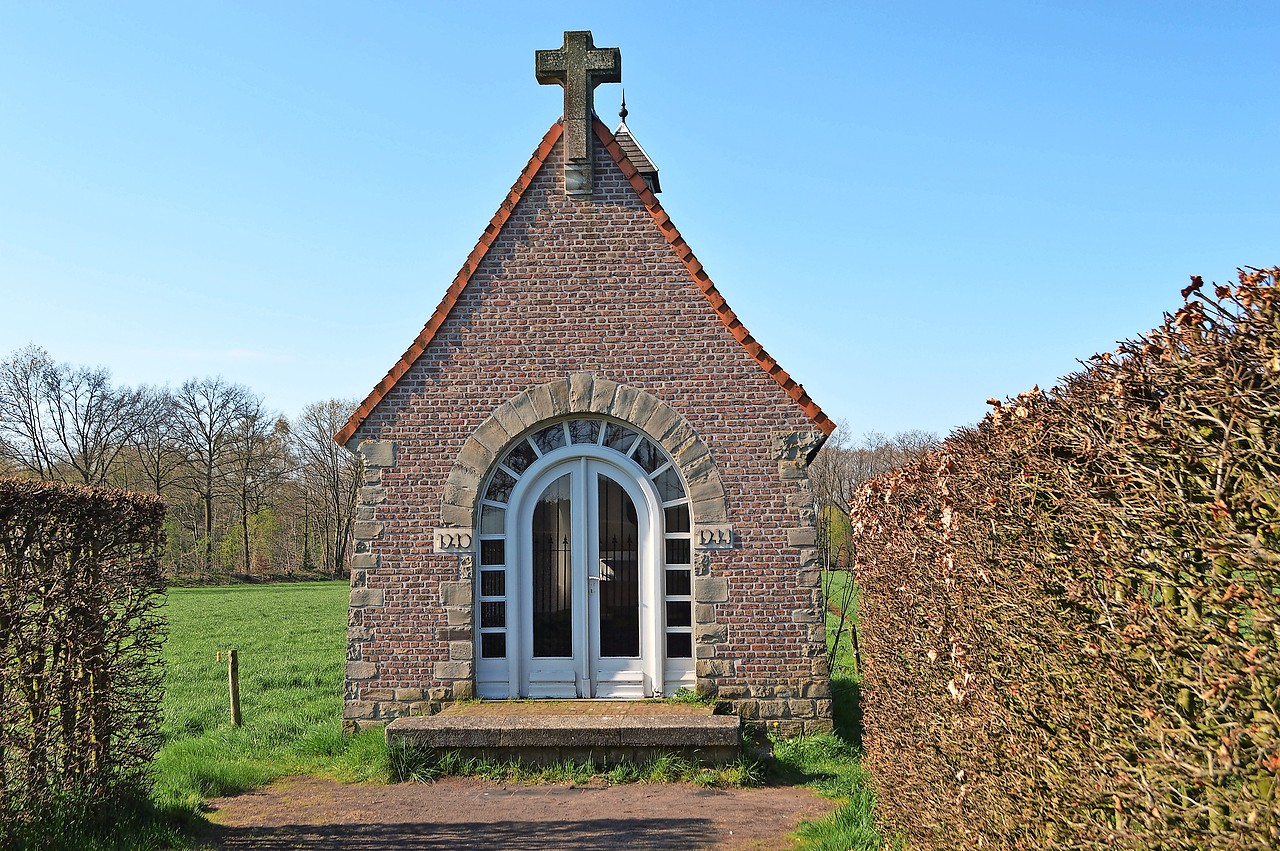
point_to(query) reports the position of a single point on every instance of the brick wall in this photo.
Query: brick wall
(575, 285)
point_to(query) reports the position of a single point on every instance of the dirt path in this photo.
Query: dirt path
(462, 812)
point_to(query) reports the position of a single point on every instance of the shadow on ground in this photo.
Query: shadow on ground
(589, 835)
(846, 693)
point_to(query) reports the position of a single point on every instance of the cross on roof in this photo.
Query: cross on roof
(579, 66)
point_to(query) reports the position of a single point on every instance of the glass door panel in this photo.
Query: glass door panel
(619, 586)
(553, 572)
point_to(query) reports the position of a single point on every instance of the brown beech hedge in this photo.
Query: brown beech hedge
(80, 639)
(1069, 613)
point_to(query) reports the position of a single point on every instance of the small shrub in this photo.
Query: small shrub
(690, 697)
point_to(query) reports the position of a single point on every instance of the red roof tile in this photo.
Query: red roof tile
(669, 232)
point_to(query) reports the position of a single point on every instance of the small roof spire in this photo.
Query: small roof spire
(634, 152)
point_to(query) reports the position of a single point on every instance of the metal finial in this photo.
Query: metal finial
(622, 113)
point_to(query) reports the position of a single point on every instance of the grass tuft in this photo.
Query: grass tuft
(136, 825)
(830, 763)
(691, 697)
(409, 763)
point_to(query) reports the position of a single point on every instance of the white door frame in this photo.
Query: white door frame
(580, 675)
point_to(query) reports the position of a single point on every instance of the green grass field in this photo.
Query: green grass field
(291, 642)
(830, 764)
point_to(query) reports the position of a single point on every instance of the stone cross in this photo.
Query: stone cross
(579, 66)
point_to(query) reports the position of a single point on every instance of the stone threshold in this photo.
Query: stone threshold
(603, 732)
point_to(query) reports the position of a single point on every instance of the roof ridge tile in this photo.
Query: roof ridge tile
(717, 302)
(665, 226)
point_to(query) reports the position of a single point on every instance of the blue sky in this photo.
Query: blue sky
(914, 206)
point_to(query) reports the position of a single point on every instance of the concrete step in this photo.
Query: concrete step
(540, 732)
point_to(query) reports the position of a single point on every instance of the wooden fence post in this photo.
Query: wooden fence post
(233, 682)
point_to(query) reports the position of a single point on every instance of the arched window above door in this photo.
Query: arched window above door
(578, 395)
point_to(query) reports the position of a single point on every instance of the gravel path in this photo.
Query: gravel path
(464, 812)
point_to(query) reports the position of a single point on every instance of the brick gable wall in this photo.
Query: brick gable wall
(572, 286)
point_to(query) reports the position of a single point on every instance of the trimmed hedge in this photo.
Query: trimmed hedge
(1069, 613)
(80, 639)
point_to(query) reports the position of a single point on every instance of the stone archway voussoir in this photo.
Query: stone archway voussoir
(583, 393)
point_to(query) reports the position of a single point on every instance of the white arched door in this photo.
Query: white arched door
(585, 553)
(584, 567)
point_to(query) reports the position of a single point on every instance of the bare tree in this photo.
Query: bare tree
(90, 420)
(841, 466)
(257, 463)
(331, 474)
(206, 414)
(24, 436)
(61, 421)
(155, 449)
(832, 473)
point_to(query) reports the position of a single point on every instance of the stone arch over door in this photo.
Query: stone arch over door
(586, 393)
(581, 393)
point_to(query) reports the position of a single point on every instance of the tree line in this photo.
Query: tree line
(250, 492)
(838, 472)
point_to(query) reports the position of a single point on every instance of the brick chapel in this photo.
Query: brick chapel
(585, 478)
